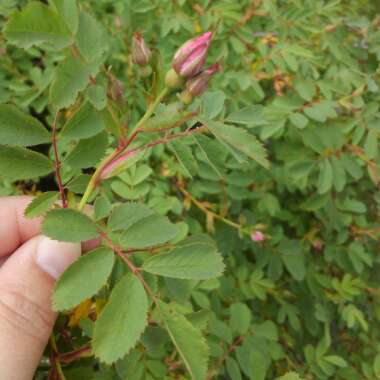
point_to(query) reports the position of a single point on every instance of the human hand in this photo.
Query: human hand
(29, 265)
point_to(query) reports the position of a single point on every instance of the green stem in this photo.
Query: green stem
(150, 110)
(96, 176)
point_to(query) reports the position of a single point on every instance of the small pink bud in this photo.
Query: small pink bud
(189, 59)
(112, 168)
(318, 245)
(257, 236)
(140, 52)
(198, 85)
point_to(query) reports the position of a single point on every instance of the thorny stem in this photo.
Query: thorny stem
(122, 146)
(57, 162)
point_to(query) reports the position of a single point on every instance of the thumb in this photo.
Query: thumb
(26, 319)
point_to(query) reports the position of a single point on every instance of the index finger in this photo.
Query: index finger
(15, 229)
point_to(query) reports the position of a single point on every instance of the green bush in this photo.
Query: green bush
(278, 164)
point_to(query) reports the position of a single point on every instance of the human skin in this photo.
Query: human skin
(29, 266)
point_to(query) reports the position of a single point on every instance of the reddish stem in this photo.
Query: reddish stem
(124, 256)
(57, 162)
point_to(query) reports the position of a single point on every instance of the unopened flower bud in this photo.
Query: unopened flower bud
(257, 236)
(318, 245)
(117, 165)
(140, 52)
(189, 59)
(198, 85)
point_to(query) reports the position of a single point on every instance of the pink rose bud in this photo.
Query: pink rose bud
(318, 245)
(257, 236)
(112, 168)
(189, 59)
(140, 52)
(198, 85)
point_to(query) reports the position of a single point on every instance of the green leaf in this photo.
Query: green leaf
(233, 369)
(185, 157)
(18, 128)
(325, 180)
(376, 365)
(71, 290)
(69, 11)
(293, 258)
(102, 207)
(299, 120)
(240, 318)
(122, 320)
(213, 103)
(37, 25)
(84, 123)
(97, 95)
(251, 116)
(188, 340)
(88, 152)
(127, 214)
(19, 163)
(241, 140)
(90, 38)
(69, 225)
(289, 376)
(41, 204)
(211, 152)
(149, 232)
(336, 360)
(196, 258)
(321, 111)
(72, 76)
(306, 89)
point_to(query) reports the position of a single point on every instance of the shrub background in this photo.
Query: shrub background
(306, 74)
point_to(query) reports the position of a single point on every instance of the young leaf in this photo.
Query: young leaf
(19, 163)
(18, 128)
(72, 76)
(69, 225)
(196, 258)
(71, 290)
(85, 123)
(148, 232)
(41, 204)
(88, 152)
(122, 321)
(188, 341)
(241, 140)
(36, 25)
(127, 214)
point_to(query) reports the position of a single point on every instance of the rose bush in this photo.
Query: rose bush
(234, 182)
